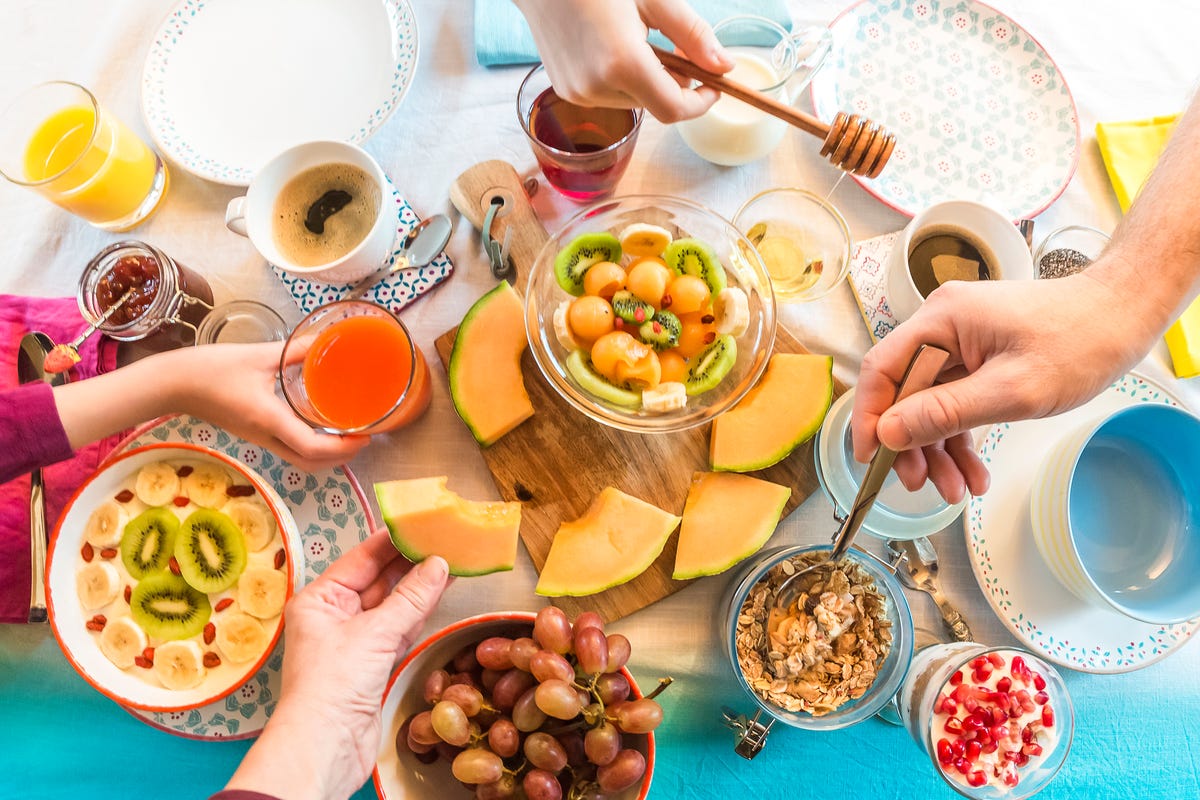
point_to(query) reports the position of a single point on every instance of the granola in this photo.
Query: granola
(826, 649)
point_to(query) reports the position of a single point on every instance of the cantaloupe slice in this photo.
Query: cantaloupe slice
(727, 517)
(613, 542)
(425, 519)
(778, 415)
(485, 366)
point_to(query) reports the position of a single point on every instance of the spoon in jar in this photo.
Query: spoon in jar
(62, 357)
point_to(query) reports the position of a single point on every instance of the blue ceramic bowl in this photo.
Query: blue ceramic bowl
(1116, 513)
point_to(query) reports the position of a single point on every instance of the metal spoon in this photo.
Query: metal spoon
(420, 246)
(61, 357)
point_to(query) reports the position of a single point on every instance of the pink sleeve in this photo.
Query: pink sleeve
(31, 433)
(241, 794)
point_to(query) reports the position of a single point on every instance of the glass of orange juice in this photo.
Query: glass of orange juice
(58, 140)
(351, 367)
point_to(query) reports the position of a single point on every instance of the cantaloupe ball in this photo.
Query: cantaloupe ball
(674, 366)
(604, 279)
(645, 373)
(590, 317)
(616, 348)
(688, 294)
(695, 334)
(648, 279)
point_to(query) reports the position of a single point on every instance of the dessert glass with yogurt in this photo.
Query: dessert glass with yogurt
(997, 722)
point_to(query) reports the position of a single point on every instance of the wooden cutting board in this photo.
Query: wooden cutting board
(556, 462)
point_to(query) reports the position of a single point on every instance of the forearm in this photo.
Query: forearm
(289, 761)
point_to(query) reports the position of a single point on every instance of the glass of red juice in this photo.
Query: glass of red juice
(351, 367)
(582, 151)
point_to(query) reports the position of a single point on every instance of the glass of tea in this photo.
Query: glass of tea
(352, 367)
(582, 151)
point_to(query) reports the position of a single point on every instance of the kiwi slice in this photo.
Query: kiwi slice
(694, 257)
(713, 364)
(584, 250)
(149, 541)
(661, 332)
(168, 608)
(631, 308)
(211, 550)
(580, 368)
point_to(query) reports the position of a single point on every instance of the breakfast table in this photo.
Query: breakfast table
(1134, 733)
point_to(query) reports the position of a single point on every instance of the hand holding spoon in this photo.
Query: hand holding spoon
(62, 357)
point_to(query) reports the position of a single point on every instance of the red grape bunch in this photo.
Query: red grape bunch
(545, 717)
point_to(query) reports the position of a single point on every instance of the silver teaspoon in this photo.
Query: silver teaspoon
(420, 246)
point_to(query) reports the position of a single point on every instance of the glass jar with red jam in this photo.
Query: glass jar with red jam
(164, 306)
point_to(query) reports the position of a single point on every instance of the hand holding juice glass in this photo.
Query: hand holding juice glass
(58, 140)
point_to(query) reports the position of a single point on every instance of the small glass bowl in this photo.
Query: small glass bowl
(891, 672)
(743, 269)
(1086, 242)
(793, 229)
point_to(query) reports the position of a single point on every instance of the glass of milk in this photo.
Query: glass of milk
(770, 59)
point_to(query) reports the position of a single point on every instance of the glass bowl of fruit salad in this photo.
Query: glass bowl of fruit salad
(167, 575)
(650, 314)
(495, 701)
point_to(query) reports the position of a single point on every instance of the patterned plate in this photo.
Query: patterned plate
(1010, 570)
(227, 84)
(980, 111)
(331, 515)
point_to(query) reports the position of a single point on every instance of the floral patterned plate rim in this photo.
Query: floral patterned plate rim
(980, 110)
(225, 81)
(1022, 591)
(332, 515)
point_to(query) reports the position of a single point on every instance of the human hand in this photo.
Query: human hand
(344, 634)
(1018, 350)
(616, 68)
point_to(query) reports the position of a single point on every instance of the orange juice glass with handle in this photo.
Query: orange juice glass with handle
(351, 367)
(58, 140)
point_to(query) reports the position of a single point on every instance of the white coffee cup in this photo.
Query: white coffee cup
(980, 224)
(252, 214)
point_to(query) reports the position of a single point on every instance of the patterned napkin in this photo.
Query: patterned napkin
(868, 280)
(393, 292)
(60, 319)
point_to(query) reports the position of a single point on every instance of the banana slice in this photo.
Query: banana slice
(106, 524)
(241, 637)
(122, 640)
(206, 485)
(643, 239)
(262, 591)
(257, 523)
(179, 665)
(97, 584)
(562, 330)
(157, 484)
(732, 310)
(667, 396)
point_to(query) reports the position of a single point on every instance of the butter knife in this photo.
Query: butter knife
(919, 571)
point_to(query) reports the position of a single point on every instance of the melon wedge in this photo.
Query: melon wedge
(485, 366)
(613, 542)
(778, 415)
(727, 517)
(425, 519)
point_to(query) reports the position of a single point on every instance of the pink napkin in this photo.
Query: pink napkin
(60, 319)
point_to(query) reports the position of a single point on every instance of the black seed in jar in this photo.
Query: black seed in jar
(1062, 262)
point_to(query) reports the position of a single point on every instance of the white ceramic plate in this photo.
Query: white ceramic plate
(331, 516)
(1022, 591)
(227, 84)
(980, 111)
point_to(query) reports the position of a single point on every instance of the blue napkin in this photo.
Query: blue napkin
(503, 37)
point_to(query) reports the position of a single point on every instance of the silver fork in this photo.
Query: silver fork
(919, 571)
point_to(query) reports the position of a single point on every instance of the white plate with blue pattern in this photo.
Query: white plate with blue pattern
(331, 515)
(228, 84)
(1014, 578)
(980, 110)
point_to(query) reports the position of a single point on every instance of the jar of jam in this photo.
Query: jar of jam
(164, 301)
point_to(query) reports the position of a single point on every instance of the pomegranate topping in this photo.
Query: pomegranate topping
(124, 496)
(87, 552)
(181, 501)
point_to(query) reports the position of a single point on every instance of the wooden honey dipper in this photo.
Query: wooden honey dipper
(853, 143)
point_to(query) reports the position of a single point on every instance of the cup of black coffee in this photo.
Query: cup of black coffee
(957, 240)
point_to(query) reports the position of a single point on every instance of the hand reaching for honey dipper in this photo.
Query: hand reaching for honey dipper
(617, 68)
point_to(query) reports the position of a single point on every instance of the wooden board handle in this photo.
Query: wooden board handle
(477, 189)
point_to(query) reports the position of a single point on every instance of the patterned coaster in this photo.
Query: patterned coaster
(393, 292)
(868, 280)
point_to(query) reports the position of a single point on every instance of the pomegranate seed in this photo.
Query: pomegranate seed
(210, 633)
(223, 603)
(212, 660)
(1041, 698)
(956, 678)
(708, 319)
(996, 659)
(174, 566)
(999, 716)
(148, 654)
(1010, 779)
(978, 662)
(945, 753)
(954, 725)
(618, 323)
(108, 553)
(984, 736)
(123, 496)
(667, 300)
(1032, 749)
(961, 692)
(1026, 701)
(977, 778)
(92, 625)
(710, 337)
(971, 705)
(185, 470)
(1027, 734)
(981, 674)
(1004, 684)
(939, 704)
(981, 717)
(959, 747)
(280, 558)
(974, 749)
(962, 765)
(640, 315)
(1048, 716)
(1039, 682)
(1000, 732)
(972, 723)
(1020, 759)
(950, 706)
(100, 620)
(143, 662)
(87, 552)
(181, 501)
(128, 593)
(990, 748)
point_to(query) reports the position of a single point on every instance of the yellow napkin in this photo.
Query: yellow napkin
(1130, 150)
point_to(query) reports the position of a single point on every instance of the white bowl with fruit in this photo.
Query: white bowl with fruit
(167, 576)
(650, 314)
(556, 715)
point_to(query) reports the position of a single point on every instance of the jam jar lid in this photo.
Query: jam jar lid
(242, 322)
(897, 513)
